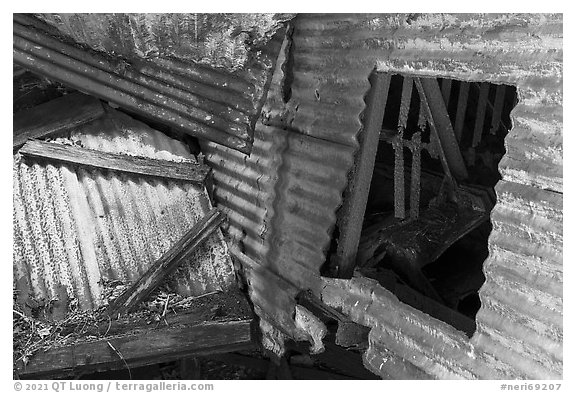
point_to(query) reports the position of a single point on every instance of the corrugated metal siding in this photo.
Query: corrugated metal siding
(75, 226)
(294, 195)
(198, 99)
(282, 202)
(520, 323)
(521, 319)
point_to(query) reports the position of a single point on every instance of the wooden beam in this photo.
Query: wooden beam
(167, 263)
(60, 114)
(117, 162)
(351, 215)
(441, 127)
(147, 347)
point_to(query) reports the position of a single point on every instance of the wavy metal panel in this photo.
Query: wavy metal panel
(282, 203)
(74, 227)
(294, 185)
(199, 99)
(520, 49)
(520, 323)
(521, 319)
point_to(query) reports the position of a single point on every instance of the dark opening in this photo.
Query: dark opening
(425, 231)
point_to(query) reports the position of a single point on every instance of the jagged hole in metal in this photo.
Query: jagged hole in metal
(424, 238)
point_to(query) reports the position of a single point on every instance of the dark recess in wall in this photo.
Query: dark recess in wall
(432, 257)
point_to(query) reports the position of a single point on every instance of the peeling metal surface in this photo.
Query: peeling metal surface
(218, 40)
(431, 347)
(309, 323)
(198, 99)
(281, 203)
(75, 227)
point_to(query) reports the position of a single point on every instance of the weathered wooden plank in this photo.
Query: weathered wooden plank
(148, 347)
(167, 263)
(359, 185)
(54, 116)
(76, 155)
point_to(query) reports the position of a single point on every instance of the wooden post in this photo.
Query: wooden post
(354, 206)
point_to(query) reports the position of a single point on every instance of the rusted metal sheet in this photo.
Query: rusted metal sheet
(332, 58)
(522, 50)
(197, 99)
(200, 38)
(521, 319)
(281, 203)
(534, 146)
(75, 228)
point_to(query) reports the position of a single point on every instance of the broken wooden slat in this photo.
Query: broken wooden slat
(441, 127)
(167, 263)
(461, 111)
(150, 346)
(480, 113)
(359, 185)
(57, 115)
(69, 154)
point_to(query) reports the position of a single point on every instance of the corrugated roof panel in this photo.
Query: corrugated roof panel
(76, 226)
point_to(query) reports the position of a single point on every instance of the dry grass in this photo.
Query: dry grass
(32, 333)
